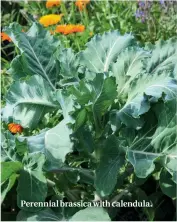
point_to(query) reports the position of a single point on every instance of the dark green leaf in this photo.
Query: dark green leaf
(111, 162)
(80, 119)
(167, 185)
(35, 188)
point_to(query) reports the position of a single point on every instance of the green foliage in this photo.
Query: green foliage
(91, 214)
(29, 100)
(118, 106)
(111, 161)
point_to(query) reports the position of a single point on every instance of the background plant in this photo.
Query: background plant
(148, 20)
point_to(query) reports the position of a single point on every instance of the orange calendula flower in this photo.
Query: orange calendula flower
(81, 4)
(15, 128)
(69, 29)
(51, 19)
(5, 37)
(50, 3)
(79, 28)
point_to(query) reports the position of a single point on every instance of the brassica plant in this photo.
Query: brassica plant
(116, 124)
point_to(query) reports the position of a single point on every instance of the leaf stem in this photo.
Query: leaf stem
(124, 192)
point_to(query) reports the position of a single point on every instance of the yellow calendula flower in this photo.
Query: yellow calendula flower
(51, 19)
(50, 3)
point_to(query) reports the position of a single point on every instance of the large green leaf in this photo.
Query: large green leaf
(143, 78)
(57, 140)
(28, 101)
(55, 143)
(32, 184)
(104, 93)
(91, 214)
(104, 49)
(146, 149)
(44, 215)
(37, 48)
(82, 92)
(128, 67)
(143, 92)
(111, 161)
(164, 56)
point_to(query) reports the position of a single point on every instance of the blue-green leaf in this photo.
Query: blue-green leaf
(37, 48)
(104, 49)
(28, 101)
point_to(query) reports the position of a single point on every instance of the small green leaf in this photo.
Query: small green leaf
(18, 69)
(66, 102)
(21, 147)
(68, 64)
(80, 119)
(167, 185)
(9, 168)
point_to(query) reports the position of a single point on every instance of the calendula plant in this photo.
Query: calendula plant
(115, 105)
